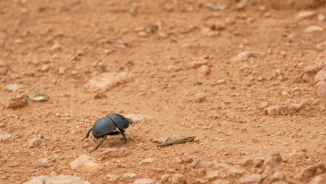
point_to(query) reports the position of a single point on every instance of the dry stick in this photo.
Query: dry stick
(177, 141)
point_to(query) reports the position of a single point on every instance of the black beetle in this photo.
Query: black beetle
(108, 126)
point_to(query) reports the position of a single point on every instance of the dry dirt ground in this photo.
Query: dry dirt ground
(237, 79)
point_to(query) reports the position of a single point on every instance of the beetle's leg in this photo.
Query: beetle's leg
(123, 135)
(88, 134)
(114, 133)
(104, 137)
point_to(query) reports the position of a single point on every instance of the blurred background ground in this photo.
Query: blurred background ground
(245, 77)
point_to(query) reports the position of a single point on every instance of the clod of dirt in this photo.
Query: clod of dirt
(321, 46)
(113, 177)
(85, 163)
(263, 105)
(178, 179)
(4, 68)
(253, 160)
(218, 181)
(144, 181)
(310, 171)
(293, 4)
(310, 69)
(320, 76)
(244, 56)
(2, 36)
(45, 161)
(273, 160)
(100, 95)
(275, 110)
(149, 28)
(215, 25)
(45, 68)
(107, 81)
(318, 179)
(220, 81)
(169, 7)
(283, 110)
(36, 142)
(160, 140)
(187, 158)
(129, 175)
(138, 117)
(114, 153)
(321, 17)
(4, 136)
(198, 63)
(203, 70)
(215, 170)
(146, 161)
(60, 179)
(312, 29)
(241, 4)
(321, 89)
(142, 33)
(172, 68)
(61, 70)
(200, 97)
(18, 102)
(304, 15)
(208, 32)
(252, 178)
(278, 176)
(13, 87)
(165, 178)
(56, 47)
(267, 172)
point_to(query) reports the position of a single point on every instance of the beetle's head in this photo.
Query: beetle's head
(130, 121)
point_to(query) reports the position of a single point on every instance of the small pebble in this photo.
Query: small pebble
(200, 97)
(321, 17)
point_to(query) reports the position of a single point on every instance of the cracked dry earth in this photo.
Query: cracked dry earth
(246, 78)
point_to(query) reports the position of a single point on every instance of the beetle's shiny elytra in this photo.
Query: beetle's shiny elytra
(108, 126)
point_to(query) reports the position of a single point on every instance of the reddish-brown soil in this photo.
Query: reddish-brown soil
(69, 37)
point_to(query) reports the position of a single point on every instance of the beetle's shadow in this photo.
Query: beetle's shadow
(111, 142)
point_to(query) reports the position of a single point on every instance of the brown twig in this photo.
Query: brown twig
(177, 141)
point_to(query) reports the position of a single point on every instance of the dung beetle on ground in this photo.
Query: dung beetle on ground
(108, 126)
